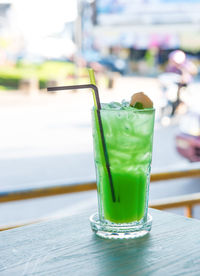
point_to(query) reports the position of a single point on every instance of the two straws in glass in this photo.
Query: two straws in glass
(97, 106)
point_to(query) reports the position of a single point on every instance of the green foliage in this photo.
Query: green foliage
(10, 77)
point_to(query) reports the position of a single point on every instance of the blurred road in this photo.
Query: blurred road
(47, 140)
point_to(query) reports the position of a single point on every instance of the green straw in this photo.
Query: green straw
(92, 81)
(104, 152)
(98, 121)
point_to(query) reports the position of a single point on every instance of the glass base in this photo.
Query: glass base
(109, 230)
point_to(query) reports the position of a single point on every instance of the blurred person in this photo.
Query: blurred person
(179, 64)
(179, 74)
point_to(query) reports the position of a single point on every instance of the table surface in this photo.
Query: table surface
(68, 247)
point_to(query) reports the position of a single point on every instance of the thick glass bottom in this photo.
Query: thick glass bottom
(110, 230)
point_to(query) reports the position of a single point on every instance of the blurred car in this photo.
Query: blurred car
(114, 64)
(188, 140)
(111, 62)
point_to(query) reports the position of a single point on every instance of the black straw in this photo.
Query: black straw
(94, 87)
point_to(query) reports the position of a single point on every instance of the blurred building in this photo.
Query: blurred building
(131, 27)
(143, 23)
(7, 37)
(139, 32)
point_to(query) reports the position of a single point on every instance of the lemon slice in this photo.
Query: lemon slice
(141, 98)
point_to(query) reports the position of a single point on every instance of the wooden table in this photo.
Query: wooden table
(68, 247)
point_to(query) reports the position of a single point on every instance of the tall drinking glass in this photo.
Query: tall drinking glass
(123, 206)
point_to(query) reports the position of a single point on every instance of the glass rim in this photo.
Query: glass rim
(133, 110)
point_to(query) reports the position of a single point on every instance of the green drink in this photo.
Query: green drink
(122, 145)
(128, 136)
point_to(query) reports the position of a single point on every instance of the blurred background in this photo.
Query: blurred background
(133, 45)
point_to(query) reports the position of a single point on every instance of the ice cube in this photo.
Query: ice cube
(124, 104)
(115, 105)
